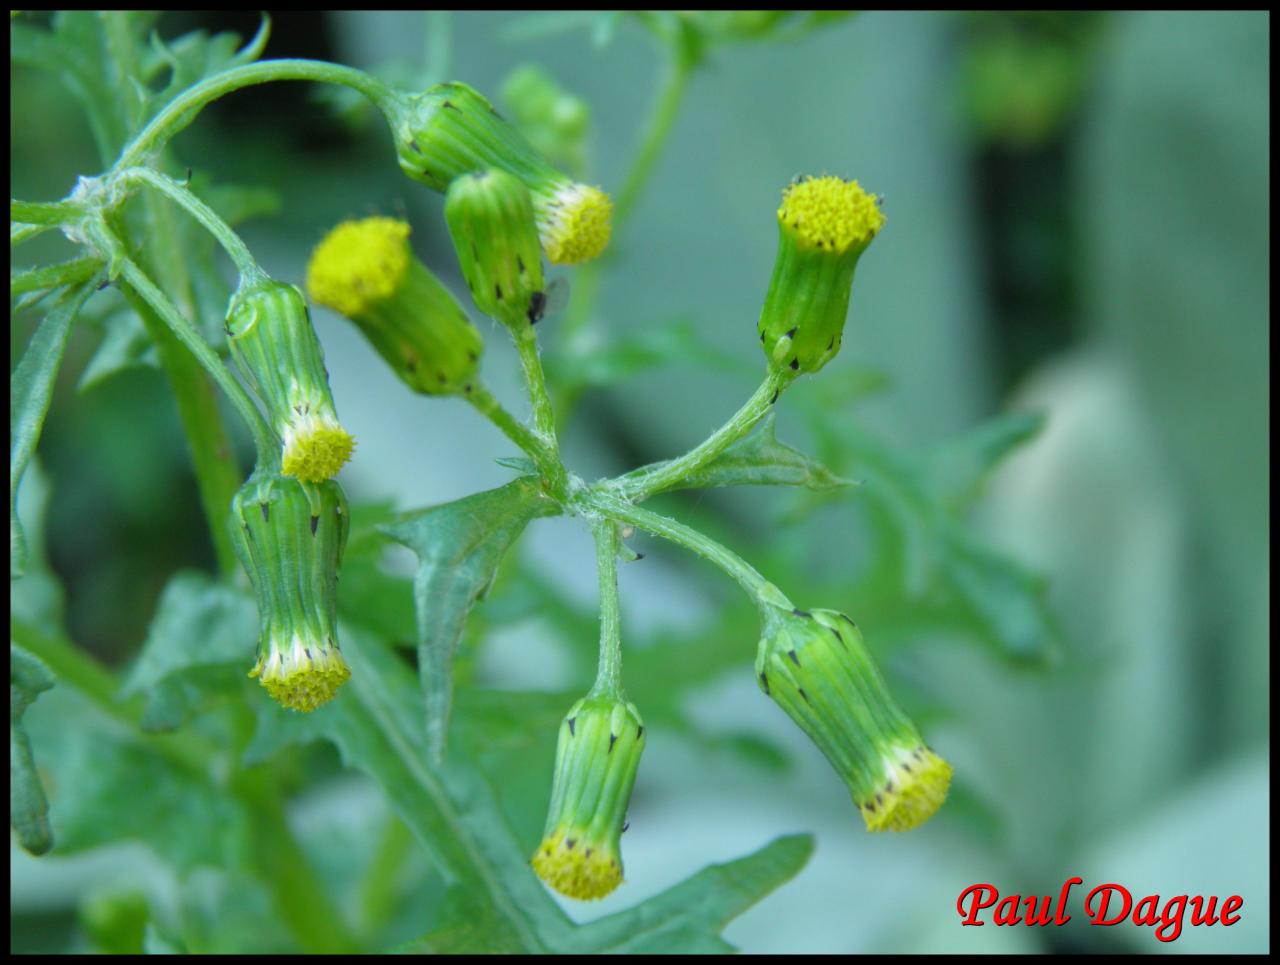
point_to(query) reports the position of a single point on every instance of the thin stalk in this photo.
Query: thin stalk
(639, 484)
(183, 109)
(245, 263)
(609, 674)
(762, 592)
(264, 439)
(484, 402)
(544, 418)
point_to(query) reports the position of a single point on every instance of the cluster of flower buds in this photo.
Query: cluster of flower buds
(597, 756)
(824, 226)
(451, 129)
(289, 536)
(271, 338)
(816, 667)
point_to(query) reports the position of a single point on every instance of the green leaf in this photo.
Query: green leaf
(761, 460)
(959, 468)
(459, 546)
(376, 724)
(175, 803)
(30, 389)
(125, 345)
(689, 917)
(197, 652)
(28, 806)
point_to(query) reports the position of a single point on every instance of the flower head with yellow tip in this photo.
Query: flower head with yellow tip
(274, 344)
(451, 129)
(830, 214)
(824, 226)
(815, 666)
(367, 271)
(597, 756)
(289, 536)
(359, 263)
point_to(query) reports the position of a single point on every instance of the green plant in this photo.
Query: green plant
(433, 762)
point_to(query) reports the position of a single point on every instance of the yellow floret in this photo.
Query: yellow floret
(916, 784)
(830, 213)
(302, 677)
(575, 224)
(315, 447)
(577, 868)
(359, 263)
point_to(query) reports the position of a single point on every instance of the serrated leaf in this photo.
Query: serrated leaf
(459, 546)
(28, 806)
(761, 460)
(689, 917)
(30, 389)
(198, 650)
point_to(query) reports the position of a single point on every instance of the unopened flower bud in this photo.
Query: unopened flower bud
(367, 271)
(490, 218)
(450, 129)
(816, 667)
(824, 225)
(597, 756)
(270, 334)
(554, 120)
(289, 536)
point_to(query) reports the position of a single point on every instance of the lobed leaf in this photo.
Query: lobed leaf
(459, 546)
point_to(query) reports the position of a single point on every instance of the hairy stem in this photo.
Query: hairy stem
(609, 675)
(639, 484)
(182, 110)
(515, 430)
(761, 591)
(544, 419)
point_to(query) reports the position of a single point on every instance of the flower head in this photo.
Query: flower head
(451, 129)
(289, 536)
(597, 756)
(270, 334)
(491, 221)
(367, 271)
(824, 225)
(816, 667)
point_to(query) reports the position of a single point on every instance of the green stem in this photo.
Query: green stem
(183, 109)
(246, 265)
(44, 213)
(761, 591)
(609, 674)
(640, 484)
(515, 430)
(264, 439)
(73, 272)
(544, 418)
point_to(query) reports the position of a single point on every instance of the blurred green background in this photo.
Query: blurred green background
(1079, 210)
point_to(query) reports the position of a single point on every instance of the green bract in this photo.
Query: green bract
(815, 667)
(491, 222)
(271, 338)
(290, 536)
(597, 756)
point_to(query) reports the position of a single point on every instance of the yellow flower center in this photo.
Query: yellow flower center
(301, 676)
(575, 224)
(359, 263)
(830, 213)
(916, 784)
(576, 867)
